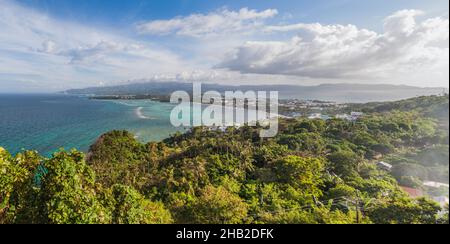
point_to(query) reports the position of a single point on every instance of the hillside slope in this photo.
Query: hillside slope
(314, 171)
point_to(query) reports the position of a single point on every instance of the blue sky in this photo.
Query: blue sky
(120, 12)
(50, 45)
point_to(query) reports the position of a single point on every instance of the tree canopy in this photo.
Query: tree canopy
(314, 171)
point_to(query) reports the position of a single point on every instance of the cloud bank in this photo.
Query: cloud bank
(344, 51)
(41, 53)
(244, 46)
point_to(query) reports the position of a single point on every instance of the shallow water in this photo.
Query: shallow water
(48, 122)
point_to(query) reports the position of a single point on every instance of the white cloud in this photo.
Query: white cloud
(217, 23)
(49, 54)
(402, 22)
(48, 46)
(406, 50)
(41, 53)
(84, 53)
(98, 50)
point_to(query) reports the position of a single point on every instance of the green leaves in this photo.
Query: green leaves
(68, 193)
(130, 207)
(405, 211)
(302, 173)
(315, 172)
(216, 205)
(17, 188)
(344, 163)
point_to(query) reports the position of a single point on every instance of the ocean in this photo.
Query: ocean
(46, 123)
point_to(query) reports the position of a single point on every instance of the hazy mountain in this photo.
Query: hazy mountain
(353, 93)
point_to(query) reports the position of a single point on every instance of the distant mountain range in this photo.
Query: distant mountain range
(348, 93)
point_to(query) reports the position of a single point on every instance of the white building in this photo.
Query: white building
(343, 116)
(356, 115)
(385, 166)
(315, 116)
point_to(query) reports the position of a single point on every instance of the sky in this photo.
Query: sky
(54, 45)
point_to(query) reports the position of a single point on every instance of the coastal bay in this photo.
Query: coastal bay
(47, 122)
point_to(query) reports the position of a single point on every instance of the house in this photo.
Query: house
(356, 115)
(315, 116)
(385, 166)
(413, 193)
(319, 116)
(343, 116)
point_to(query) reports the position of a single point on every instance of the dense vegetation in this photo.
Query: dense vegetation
(415, 164)
(430, 106)
(314, 172)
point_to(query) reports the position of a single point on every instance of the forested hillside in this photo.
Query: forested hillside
(415, 164)
(313, 172)
(436, 107)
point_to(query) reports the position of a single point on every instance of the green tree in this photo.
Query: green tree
(68, 193)
(405, 211)
(130, 207)
(216, 205)
(305, 142)
(18, 189)
(345, 163)
(118, 158)
(304, 174)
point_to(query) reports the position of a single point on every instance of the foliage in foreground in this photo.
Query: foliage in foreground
(313, 172)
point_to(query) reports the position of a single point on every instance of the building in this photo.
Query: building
(356, 115)
(343, 116)
(319, 116)
(315, 116)
(413, 193)
(385, 166)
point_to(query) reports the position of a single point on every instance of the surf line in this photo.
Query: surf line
(140, 114)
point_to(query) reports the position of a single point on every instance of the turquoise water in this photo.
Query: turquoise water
(48, 122)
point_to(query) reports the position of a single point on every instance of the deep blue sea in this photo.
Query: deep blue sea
(48, 122)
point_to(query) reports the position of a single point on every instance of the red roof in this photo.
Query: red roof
(414, 193)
